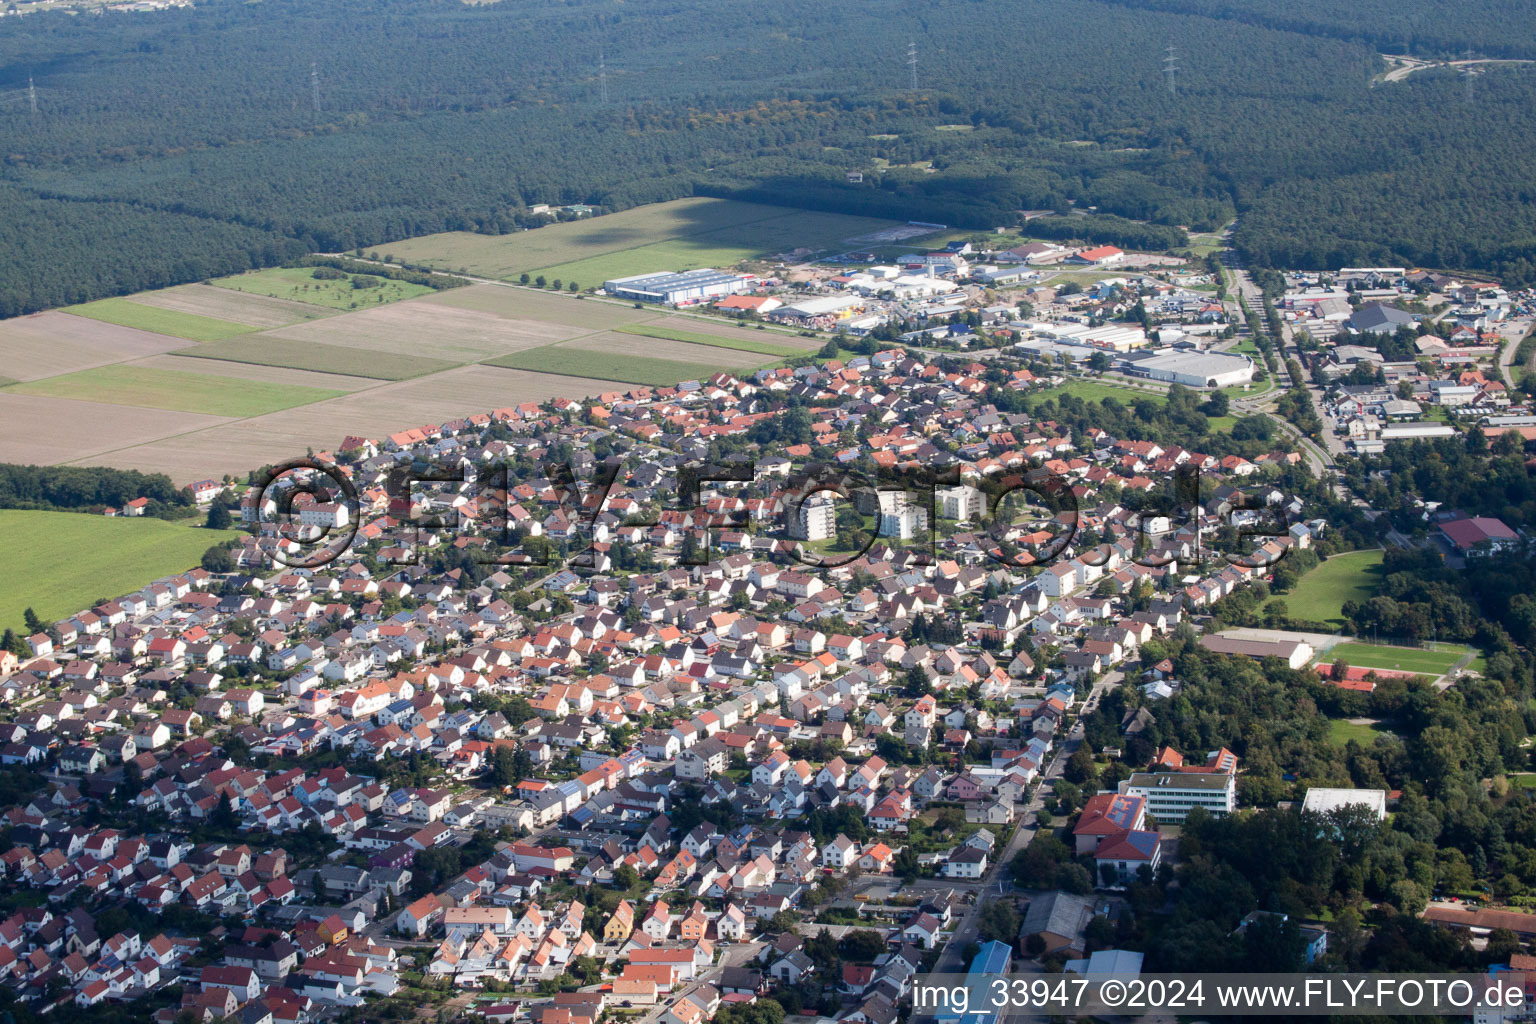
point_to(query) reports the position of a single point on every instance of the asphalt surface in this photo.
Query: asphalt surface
(997, 880)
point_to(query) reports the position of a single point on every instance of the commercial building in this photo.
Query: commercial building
(824, 305)
(1102, 256)
(1192, 369)
(1170, 796)
(682, 289)
(1107, 337)
(1479, 534)
(1416, 431)
(1379, 319)
(1004, 275)
(1107, 963)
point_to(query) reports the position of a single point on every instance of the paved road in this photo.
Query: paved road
(1507, 357)
(1320, 457)
(997, 879)
(1405, 66)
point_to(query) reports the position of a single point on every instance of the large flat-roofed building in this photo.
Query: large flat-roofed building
(1106, 337)
(682, 289)
(1192, 369)
(1378, 318)
(1321, 800)
(1417, 431)
(1170, 796)
(1295, 653)
(820, 305)
(1479, 534)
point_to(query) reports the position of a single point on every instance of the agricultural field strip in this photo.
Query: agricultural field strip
(492, 258)
(47, 344)
(125, 312)
(218, 351)
(175, 390)
(548, 246)
(714, 248)
(552, 315)
(236, 445)
(711, 340)
(606, 366)
(261, 311)
(315, 357)
(221, 350)
(329, 294)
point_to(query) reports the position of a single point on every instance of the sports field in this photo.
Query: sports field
(310, 355)
(121, 384)
(1404, 659)
(174, 322)
(614, 366)
(746, 344)
(1320, 595)
(68, 560)
(299, 284)
(679, 235)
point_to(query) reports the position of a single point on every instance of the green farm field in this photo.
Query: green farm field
(614, 366)
(59, 563)
(715, 341)
(127, 313)
(308, 355)
(122, 384)
(1320, 595)
(298, 284)
(679, 235)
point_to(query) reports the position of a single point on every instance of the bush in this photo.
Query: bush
(328, 274)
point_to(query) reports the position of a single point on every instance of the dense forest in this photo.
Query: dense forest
(174, 145)
(87, 489)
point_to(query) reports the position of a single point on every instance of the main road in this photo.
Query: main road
(950, 961)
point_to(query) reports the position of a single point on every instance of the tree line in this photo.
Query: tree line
(160, 152)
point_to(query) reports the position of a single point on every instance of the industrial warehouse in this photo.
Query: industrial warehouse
(682, 289)
(1192, 369)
